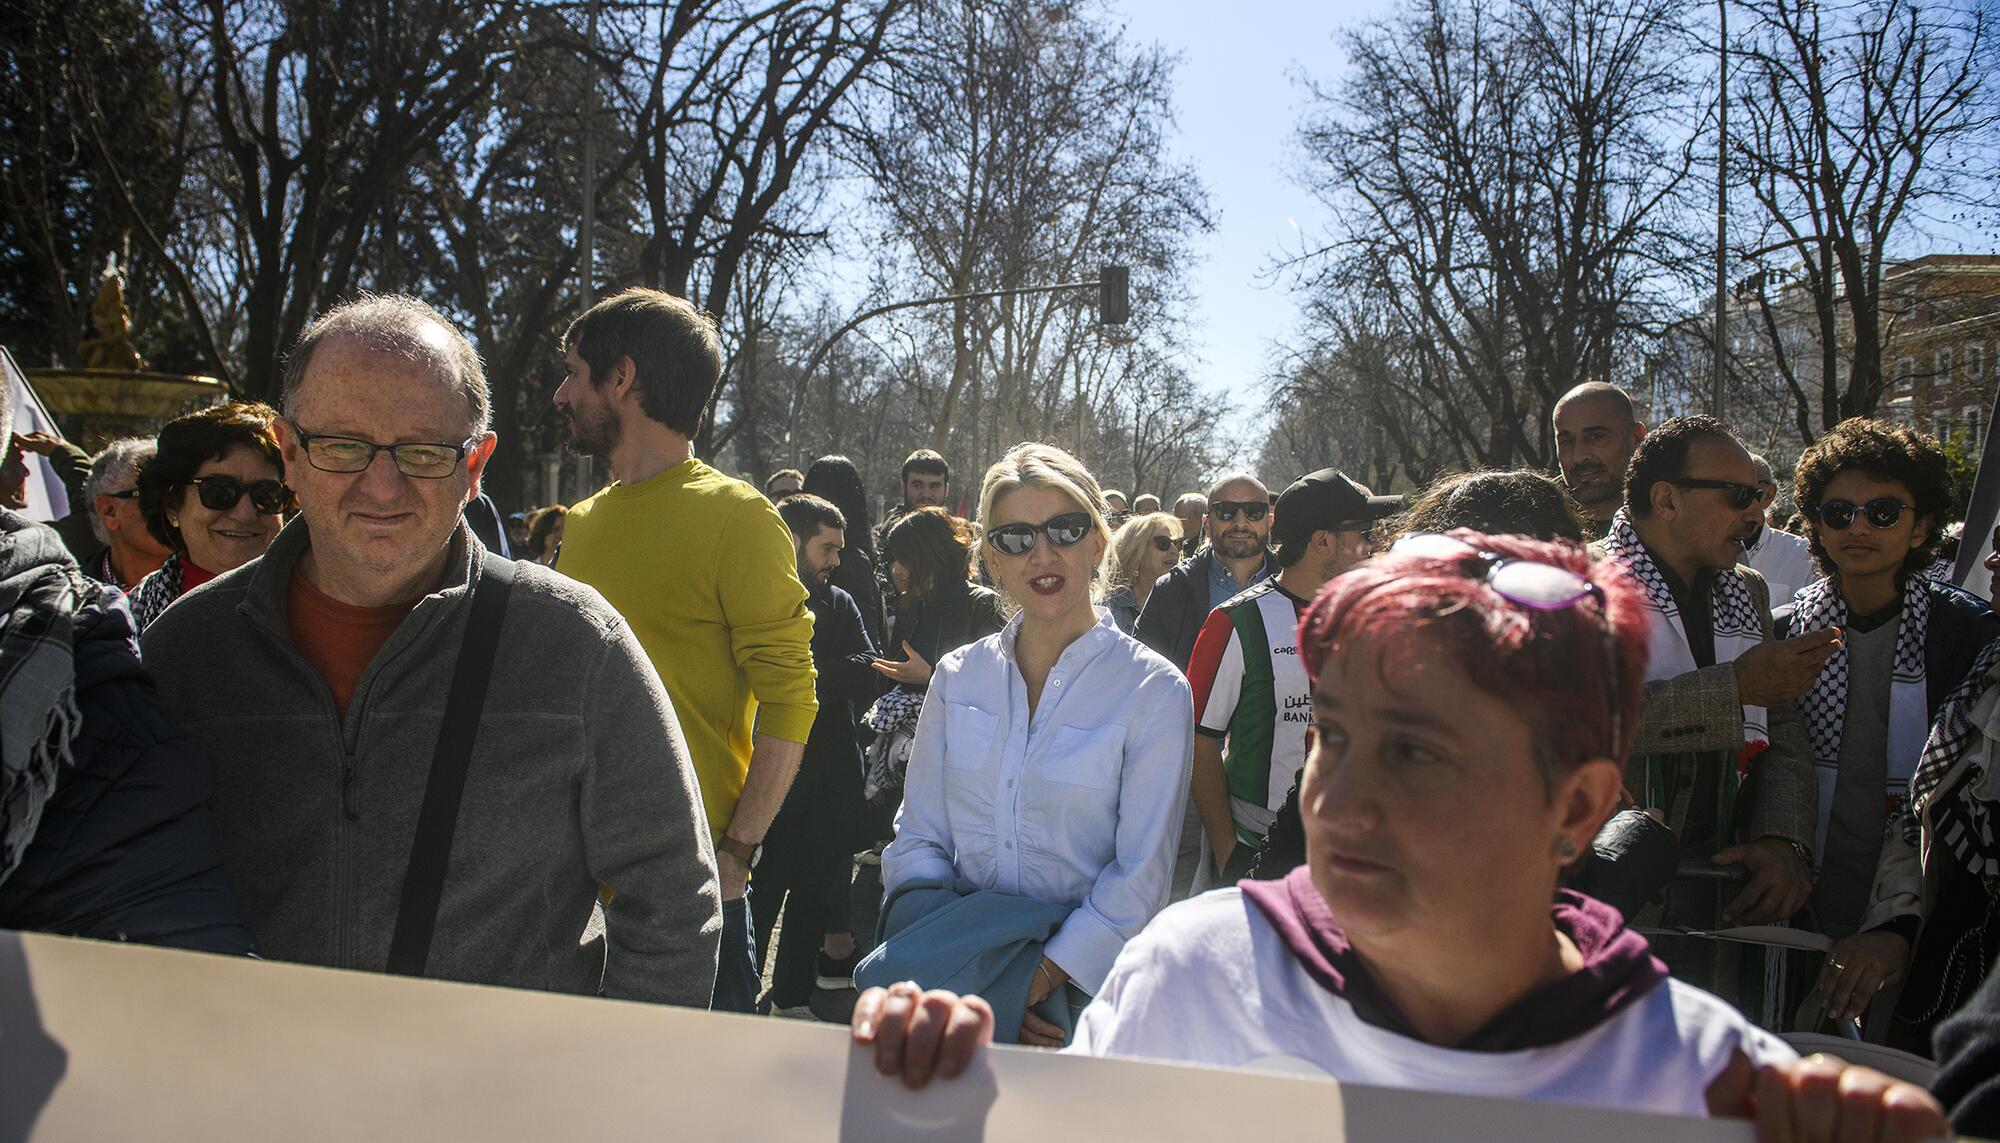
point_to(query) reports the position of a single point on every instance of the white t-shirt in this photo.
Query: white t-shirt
(1211, 981)
(1785, 562)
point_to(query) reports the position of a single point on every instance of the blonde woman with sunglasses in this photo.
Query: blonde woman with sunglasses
(1044, 794)
(1144, 549)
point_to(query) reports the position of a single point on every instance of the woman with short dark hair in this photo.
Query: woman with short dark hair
(215, 494)
(1875, 496)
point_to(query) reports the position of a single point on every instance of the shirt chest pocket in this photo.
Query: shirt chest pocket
(1084, 756)
(969, 734)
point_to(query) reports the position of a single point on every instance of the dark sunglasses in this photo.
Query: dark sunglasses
(1525, 583)
(1019, 539)
(1882, 512)
(1741, 496)
(1164, 544)
(1226, 510)
(220, 494)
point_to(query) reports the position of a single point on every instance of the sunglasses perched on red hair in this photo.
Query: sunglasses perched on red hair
(1530, 584)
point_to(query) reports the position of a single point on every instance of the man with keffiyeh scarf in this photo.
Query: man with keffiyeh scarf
(104, 821)
(1719, 690)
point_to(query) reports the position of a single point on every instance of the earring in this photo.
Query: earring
(1565, 848)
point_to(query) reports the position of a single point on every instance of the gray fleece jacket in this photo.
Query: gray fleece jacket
(579, 779)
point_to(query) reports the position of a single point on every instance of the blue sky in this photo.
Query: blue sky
(1237, 104)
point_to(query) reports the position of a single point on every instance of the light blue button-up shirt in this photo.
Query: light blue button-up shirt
(1222, 585)
(1080, 803)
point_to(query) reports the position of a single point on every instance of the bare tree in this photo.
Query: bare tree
(1862, 119)
(1022, 144)
(1498, 171)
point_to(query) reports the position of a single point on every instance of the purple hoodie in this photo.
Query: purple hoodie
(1618, 967)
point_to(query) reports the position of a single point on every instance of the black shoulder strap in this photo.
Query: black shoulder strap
(430, 853)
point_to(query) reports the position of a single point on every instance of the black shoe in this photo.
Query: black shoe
(836, 974)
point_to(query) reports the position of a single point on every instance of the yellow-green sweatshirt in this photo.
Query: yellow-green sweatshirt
(702, 567)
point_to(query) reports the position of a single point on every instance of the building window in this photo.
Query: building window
(1941, 424)
(1906, 372)
(1975, 361)
(1941, 368)
(1971, 414)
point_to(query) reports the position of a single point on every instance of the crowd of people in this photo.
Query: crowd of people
(1379, 788)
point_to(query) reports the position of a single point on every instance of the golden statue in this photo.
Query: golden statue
(112, 347)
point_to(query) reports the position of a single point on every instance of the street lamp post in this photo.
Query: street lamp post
(1721, 211)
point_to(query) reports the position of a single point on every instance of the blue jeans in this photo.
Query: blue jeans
(737, 980)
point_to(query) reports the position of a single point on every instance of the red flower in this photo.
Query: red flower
(1746, 754)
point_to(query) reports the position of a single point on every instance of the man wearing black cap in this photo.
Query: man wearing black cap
(1251, 699)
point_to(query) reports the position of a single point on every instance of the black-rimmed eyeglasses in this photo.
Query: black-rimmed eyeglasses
(423, 460)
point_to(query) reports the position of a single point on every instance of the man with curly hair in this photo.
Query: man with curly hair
(1875, 498)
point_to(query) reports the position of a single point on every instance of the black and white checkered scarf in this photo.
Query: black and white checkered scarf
(1818, 605)
(1960, 822)
(152, 596)
(1738, 626)
(40, 591)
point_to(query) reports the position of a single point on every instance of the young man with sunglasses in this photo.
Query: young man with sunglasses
(1252, 701)
(328, 680)
(702, 567)
(1873, 495)
(1719, 687)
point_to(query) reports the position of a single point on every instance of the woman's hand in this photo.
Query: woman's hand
(1822, 1098)
(1857, 968)
(918, 1034)
(1035, 1031)
(914, 670)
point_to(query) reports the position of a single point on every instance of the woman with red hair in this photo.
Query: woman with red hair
(1474, 700)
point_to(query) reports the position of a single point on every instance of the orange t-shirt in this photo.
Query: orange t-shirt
(338, 638)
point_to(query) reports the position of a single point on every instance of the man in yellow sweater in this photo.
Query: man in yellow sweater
(702, 567)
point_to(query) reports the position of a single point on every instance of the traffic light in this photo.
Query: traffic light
(1114, 295)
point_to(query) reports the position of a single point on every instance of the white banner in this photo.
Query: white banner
(48, 501)
(106, 1041)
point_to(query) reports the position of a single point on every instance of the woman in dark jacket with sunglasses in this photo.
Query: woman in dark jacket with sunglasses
(1874, 497)
(214, 493)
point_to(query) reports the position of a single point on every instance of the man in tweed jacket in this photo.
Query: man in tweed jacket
(1681, 531)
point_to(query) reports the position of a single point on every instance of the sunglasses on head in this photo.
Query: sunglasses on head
(1019, 539)
(220, 494)
(1226, 510)
(1741, 496)
(1882, 512)
(1526, 583)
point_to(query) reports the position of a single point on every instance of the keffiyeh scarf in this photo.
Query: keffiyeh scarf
(1818, 606)
(1960, 822)
(40, 590)
(1738, 627)
(893, 718)
(154, 594)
